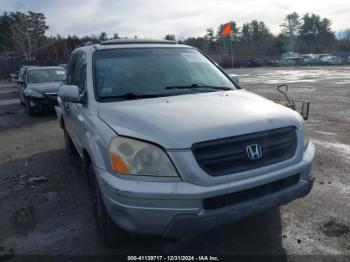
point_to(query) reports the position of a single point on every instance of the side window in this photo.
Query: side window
(20, 75)
(71, 69)
(24, 76)
(77, 72)
(81, 77)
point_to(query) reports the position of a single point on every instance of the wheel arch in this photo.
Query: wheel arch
(87, 161)
(61, 121)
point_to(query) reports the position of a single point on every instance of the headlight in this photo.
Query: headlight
(135, 157)
(35, 93)
(306, 137)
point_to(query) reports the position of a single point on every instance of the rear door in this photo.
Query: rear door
(79, 110)
(68, 116)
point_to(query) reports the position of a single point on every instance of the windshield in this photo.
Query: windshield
(156, 71)
(46, 75)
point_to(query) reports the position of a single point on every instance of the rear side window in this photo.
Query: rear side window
(77, 71)
(71, 68)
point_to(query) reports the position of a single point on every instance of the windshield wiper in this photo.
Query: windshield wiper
(130, 96)
(198, 86)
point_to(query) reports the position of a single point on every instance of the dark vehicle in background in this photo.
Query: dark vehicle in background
(293, 61)
(348, 60)
(252, 63)
(38, 87)
(64, 66)
(21, 73)
(272, 62)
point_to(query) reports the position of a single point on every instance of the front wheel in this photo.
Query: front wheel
(28, 106)
(20, 98)
(107, 231)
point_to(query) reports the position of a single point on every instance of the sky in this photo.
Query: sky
(184, 18)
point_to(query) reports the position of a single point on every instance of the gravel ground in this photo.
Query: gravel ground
(45, 206)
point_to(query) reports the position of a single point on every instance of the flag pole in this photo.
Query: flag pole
(231, 41)
(231, 54)
(227, 31)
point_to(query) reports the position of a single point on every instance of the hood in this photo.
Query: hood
(177, 122)
(51, 87)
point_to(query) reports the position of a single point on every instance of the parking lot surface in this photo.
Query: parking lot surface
(45, 207)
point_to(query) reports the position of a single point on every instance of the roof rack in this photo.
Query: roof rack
(136, 41)
(86, 43)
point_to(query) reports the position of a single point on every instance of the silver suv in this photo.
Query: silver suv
(172, 145)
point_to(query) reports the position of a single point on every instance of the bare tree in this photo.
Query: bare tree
(344, 35)
(26, 30)
(290, 29)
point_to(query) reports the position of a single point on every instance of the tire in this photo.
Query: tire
(29, 108)
(20, 99)
(70, 148)
(108, 232)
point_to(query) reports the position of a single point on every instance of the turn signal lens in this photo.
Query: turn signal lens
(118, 164)
(306, 137)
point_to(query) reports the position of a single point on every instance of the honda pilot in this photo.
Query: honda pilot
(172, 145)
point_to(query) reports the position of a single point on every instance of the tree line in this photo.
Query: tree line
(310, 33)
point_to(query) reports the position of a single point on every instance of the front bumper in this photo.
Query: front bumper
(187, 225)
(175, 209)
(42, 102)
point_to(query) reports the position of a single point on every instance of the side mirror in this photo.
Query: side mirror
(235, 79)
(69, 93)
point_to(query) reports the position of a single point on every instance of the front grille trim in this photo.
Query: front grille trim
(214, 156)
(51, 96)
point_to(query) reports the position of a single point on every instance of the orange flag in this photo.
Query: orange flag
(226, 30)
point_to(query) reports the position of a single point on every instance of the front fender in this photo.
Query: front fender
(95, 151)
(96, 142)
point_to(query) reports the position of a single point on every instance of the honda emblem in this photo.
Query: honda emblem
(254, 152)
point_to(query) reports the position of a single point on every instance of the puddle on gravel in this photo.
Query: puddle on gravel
(325, 133)
(6, 253)
(343, 149)
(7, 113)
(5, 157)
(338, 77)
(332, 228)
(24, 218)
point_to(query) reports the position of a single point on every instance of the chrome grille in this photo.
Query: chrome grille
(229, 155)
